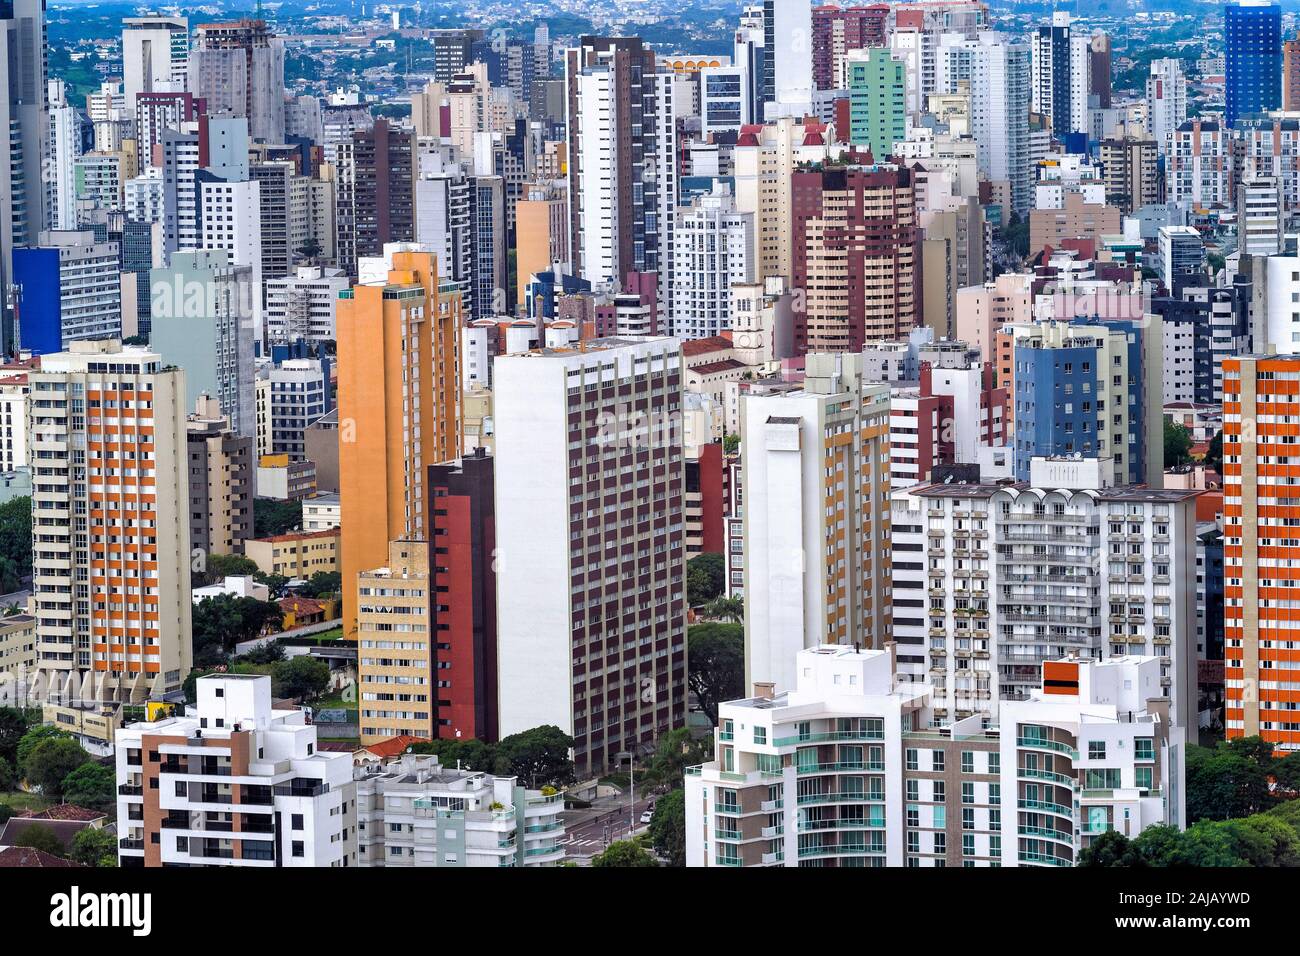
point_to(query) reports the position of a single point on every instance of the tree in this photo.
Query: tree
(274, 583)
(34, 737)
(225, 620)
(15, 543)
(268, 652)
(271, 517)
(8, 777)
(310, 249)
(725, 609)
(469, 754)
(537, 757)
(40, 837)
(1230, 780)
(715, 669)
(624, 853)
(730, 444)
(1178, 444)
(92, 785)
(706, 578)
(217, 567)
(51, 763)
(676, 751)
(668, 827)
(94, 848)
(1214, 452)
(1112, 848)
(322, 583)
(14, 722)
(299, 677)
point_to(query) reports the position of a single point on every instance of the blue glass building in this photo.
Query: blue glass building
(1252, 58)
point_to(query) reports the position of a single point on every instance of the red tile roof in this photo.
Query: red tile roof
(711, 368)
(25, 856)
(67, 811)
(714, 343)
(393, 745)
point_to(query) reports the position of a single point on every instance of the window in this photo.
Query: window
(1144, 748)
(1142, 776)
(298, 848)
(968, 844)
(1096, 750)
(760, 735)
(296, 821)
(968, 793)
(937, 765)
(995, 762)
(912, 762)
(967, 761)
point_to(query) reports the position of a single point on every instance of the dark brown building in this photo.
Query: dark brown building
(221, 486)
(837, 30)
(376, 193)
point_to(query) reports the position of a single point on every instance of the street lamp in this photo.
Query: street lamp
(631, 766)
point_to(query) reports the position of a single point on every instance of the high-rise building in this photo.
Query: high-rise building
(1132, 174)
(1166, 101)
(301, 306)
(1091, 388)
(398, 345)
(996, 70)
(1291, 75)
(65, 149)
(464, 618)
(375, 201)
(155, 55)
(1099, 69)
(1017, 573)
(591, 544)
(787, 60)
(70, 290)
(114, 586)
(294, 804)
(877, 101)
(1258, 393)
(712, 251)
(854, 235)
(203, 322)
(1199, 164)
(1252, 56)
(24, 115)
(541, 233)
(238, 68)
(221, 481)
(1261, 215)
(613, 135)
(837, 31)
(1062, 74)
(816, 467)
(844, 768)
(300, 394)
(1181, 254)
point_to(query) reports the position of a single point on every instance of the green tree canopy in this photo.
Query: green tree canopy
(217, 567)
(706, 578)
(40, 837)
(221, 622)
(271, 517)
(94, 848)
(299, 677)
(1214, 452)
(322, 583)
(538, 757)
(1178, 444)
(33, 738)
(624, 853)
(676, 751)
(668, 827)
(51, 763)
(92, 785)
(716, 665)
(1229, 780)
(15, 543)
(14, 722)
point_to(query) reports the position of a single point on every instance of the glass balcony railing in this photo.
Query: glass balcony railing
(1037, 743)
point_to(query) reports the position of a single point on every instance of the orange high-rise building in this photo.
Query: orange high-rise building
(398, 343)
(1261, 511)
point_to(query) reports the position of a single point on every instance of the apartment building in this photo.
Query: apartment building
(17, 644)
(816, 528)
(850, 769)
(237, 781)
(413, 812)
(301, 305)
(396, 677)
(71, 290)
(990, 580)
(111, 541)
(321, 512)
(398, 351)
(1259, 396)
(220, 481)
(590, 531)
(297, 554)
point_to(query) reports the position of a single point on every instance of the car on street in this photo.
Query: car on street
(647, 816)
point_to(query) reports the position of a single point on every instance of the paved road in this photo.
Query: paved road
(608, 819)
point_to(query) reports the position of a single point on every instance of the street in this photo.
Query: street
(591, 830)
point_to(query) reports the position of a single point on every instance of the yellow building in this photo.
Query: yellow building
(398, 348)
(394, 654)
(17, 644)
(298, 554)
(541, 233)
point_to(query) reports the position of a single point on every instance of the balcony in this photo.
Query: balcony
(854, 766)
(1035, 743)
(302, 788)
(1044, 859)
(131, 790)
(846, 735)
(1057, 808)
(126, 843)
